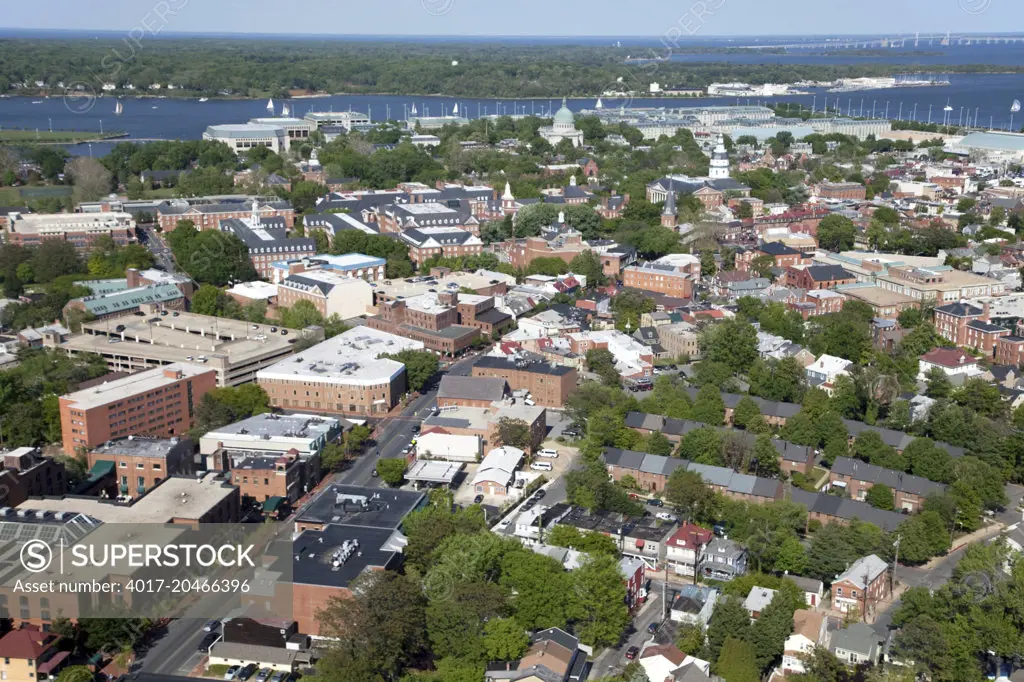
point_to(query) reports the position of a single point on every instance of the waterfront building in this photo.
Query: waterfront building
(563, 128)
(81, 230)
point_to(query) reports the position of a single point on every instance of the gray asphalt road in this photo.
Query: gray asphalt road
(394, 433)
(613, 659)
(149, 238)
(175, 653)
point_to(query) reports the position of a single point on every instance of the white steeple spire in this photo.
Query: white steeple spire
(561, 217)
(254, 219)
(508, 191)
(572, 180)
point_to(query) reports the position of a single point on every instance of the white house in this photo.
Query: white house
(683, 549)
(758, 600)
(823, 371)
(665, 661)
(809, 631)
(949, 361)
(694, 605)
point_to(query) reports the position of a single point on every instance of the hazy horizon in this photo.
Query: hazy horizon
(462, 19)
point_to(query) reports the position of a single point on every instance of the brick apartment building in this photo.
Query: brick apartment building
(968, 326)
(548, 384)
(862, 586)
(479, 311)
(429, 318)
(343, 375)
(26, 473)
(268, 242)
(448, 242)
(81, 230)
(155, 402)
(262, 477)
(805, 219)
(813, 277)
(817, 302)
(842, 191)
(1010, 350)
(856, 478)
(207, 216)
(672, 275)
(139, 463)
(782, 256)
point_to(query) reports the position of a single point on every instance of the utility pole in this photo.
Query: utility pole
(895, 563)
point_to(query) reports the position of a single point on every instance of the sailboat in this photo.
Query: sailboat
(204, 99)
(270, 106)
(455, 109)
(600, 104)
(118, 108)
(285, 111)
(413, 110)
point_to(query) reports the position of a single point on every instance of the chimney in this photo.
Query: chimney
(173, 373)
(132, 275)
(984, 311)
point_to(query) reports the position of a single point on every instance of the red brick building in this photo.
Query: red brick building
(1010, 350)
(967, 325)
(549, 385)
(799, 219)
(448, 242)
(154, 402)
(207, 216)
(81, 230)
(813, 277)
(842, 190)
(783, 256)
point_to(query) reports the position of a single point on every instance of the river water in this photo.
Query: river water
(987, 96)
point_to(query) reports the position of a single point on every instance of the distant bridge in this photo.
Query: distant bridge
(916, 40)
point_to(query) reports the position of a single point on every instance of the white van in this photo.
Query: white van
(529, 402)
(553, 454)
(541, 466)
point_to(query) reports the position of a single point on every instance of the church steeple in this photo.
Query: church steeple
(668, 214)
(508, 202)
(719, 161)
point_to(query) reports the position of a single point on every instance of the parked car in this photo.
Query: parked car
(655, 502)
(665, 516)
(279, 676)
(232, 672)
(540, 494)
(548, 452)
(207, 642)
(652, 628)
(246, 672)
(211, 625)
(264, 674)
(632, 652)
(719, 529)
(478, 499)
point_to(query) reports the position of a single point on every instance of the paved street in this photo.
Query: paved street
(613, 659)
(395, 432)
(175, 653)
(149, 238)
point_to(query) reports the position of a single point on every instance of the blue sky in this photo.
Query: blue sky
(524, 17)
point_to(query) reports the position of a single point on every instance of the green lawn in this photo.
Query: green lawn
(10, 196)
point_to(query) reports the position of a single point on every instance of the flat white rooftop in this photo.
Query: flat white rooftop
(254, 290)
(133, 384)
(351, 358)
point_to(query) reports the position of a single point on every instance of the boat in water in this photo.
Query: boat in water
(204, 99)
(270, 106)
(119, 108)
(37, 101)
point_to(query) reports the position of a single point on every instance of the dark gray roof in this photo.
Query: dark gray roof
(960, 309)
(828, 273)
(896, 480)
(471, 388)
(777, 249)
(986, 327)
(490, 362)
(845, 508)
(308, 282)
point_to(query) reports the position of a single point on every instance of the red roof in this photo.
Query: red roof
(690, 535)
(949, 357)
(25, 644)
(669, 651)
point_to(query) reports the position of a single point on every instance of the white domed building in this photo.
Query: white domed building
(564, 128)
